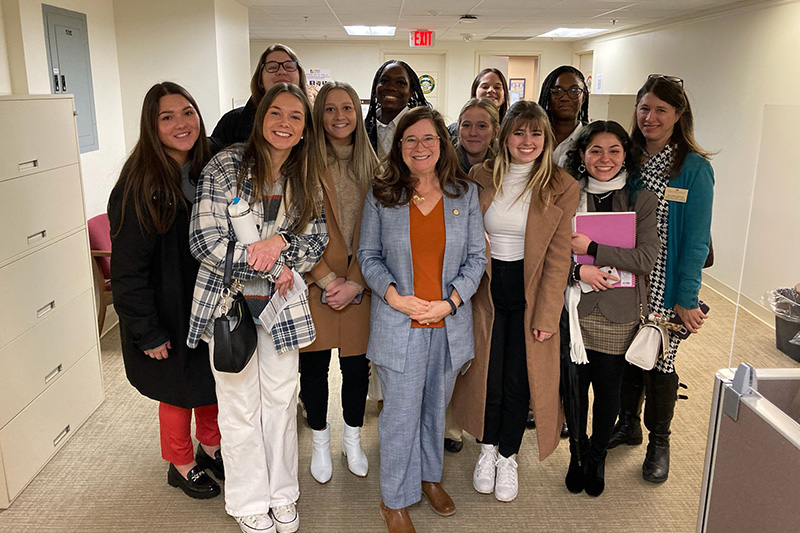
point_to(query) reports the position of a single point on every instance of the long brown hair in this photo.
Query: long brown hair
(395, 186)
(150, 178)
(257, 83)
(302, 169)
(477, 81)
(363, 161)
(529, 114)
(683, 133)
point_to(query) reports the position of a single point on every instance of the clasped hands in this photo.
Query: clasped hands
(262, 255)
(339, 294)
(422, 311)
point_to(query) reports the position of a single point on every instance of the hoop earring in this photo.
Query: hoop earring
(581, 169)
(622, 168)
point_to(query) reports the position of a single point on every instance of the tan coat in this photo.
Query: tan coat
(347, 329)
(546, 266)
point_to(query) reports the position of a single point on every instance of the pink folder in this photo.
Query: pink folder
(611, 229)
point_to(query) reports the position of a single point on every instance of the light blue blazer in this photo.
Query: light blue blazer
(384, 253)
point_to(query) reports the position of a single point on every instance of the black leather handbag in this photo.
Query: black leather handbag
(235, 335)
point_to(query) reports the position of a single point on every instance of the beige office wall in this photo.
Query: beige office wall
(733, 65)
(233, 54)
(356, 62)
(171, 40)
(30, 75)
(5, 75)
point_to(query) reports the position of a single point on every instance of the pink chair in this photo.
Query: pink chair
(100, 243)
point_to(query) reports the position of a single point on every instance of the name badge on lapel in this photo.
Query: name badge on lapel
(674, 194)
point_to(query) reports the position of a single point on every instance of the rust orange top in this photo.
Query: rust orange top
(427, 255)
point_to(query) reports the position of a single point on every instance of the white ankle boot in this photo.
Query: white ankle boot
(351, 448)
(321, 466)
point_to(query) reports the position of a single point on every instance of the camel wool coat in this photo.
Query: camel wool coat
(548, 244)
(347, 329)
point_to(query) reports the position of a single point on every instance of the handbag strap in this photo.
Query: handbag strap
(226, 279)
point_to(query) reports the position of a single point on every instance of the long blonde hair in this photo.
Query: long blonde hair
(540, 181)
(363, 162)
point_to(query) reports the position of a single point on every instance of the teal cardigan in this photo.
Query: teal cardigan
(689, 232)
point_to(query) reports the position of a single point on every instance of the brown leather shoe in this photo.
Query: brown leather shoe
(397, 520)
(441, 502)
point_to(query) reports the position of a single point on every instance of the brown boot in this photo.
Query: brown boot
(440, 501)
(397, 520)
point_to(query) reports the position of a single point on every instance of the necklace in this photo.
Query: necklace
(601, 198)
(417, 198)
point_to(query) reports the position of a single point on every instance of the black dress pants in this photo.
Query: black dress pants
(507, 389)
(314, 387)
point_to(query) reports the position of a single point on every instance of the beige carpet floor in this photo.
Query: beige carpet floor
(110, 476)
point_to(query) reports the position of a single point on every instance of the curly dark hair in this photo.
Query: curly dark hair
(633, 154)
(395, 185)
(550, 81)
(416, 98)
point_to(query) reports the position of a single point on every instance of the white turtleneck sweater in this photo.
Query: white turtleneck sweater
(506, 218)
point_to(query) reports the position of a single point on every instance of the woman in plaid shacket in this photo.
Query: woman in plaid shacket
(278, 173)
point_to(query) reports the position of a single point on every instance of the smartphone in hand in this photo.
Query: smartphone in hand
(683, 333)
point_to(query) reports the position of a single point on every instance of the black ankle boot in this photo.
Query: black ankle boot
(662, 393)
(655, 468)
(577, 463)
(628, 429)
(595, 477)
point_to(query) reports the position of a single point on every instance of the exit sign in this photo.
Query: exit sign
(420, 38)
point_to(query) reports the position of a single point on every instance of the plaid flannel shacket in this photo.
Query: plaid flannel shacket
(209, 233)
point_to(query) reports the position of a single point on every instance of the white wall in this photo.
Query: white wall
(166, 41)
(233, 53)
(99, 167)
(5, 75)
(356, 62)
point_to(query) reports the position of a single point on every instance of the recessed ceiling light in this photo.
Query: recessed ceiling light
(383, 31)
(572, 32)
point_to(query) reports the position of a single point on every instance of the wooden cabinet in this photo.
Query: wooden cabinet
(50, 374)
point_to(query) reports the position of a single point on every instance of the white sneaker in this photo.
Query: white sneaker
(483, 476)
(286, 518)
(257, 523)
(506, 486)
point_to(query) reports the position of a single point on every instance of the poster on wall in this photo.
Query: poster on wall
(516, 89)
(317, 77)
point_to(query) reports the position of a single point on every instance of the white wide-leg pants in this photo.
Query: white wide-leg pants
(258, 424)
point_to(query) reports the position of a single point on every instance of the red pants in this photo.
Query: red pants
(176, 431)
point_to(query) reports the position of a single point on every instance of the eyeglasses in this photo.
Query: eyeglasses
(273, 66)
(573, 92)
(429, 141)
(673, 79)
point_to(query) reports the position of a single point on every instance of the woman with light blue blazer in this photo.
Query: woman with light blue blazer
(422, 252)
